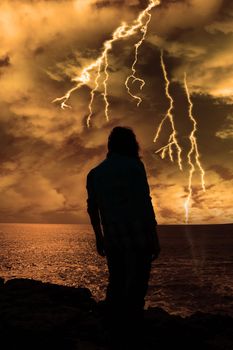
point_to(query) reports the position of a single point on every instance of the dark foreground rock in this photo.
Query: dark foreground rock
(36, 315)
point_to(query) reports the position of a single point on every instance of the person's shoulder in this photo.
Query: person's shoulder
(90, 179)
(96, 169)
(138, 168)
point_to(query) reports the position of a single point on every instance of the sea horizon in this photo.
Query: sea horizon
(88, 224)
(193, 273)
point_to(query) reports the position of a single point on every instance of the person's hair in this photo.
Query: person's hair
(122, 140)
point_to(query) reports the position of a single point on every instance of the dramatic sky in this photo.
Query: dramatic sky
(46, 152)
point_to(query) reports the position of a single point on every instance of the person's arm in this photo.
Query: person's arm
(151, 229)
(93, 211)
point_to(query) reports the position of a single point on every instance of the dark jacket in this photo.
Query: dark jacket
(119, 199)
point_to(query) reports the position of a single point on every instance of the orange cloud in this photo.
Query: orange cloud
(46, 152)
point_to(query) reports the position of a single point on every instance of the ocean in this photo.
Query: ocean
(193, 273)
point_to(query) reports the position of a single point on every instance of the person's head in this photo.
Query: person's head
(122, 140)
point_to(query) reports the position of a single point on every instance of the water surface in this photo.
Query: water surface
(194, 271)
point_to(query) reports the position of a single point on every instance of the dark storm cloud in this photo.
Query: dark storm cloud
(4, 61)
(223, 20)
(46, 152)
(226, 131)
(223, 172)
(167, 214)
(162, 186)
(106, 3)
(119, 3)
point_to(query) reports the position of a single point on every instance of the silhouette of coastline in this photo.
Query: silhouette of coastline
(39, 315)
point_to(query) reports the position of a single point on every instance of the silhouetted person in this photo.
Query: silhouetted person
(123, 219)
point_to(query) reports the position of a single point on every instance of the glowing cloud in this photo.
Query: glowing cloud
(99, 70)
(101, 63)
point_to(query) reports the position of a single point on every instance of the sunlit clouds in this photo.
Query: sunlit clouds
(46, 152)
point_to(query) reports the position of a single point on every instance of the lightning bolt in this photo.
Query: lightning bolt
(172, 141)
(193, 152)
(101, 63)
(92, 74)
(144, 28)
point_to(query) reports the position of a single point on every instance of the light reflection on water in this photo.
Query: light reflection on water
(194, 271)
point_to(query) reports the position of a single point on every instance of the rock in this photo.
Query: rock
(37, 315)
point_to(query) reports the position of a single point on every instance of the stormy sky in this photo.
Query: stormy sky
(46, 152)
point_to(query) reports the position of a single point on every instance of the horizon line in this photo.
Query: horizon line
(89, 224)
